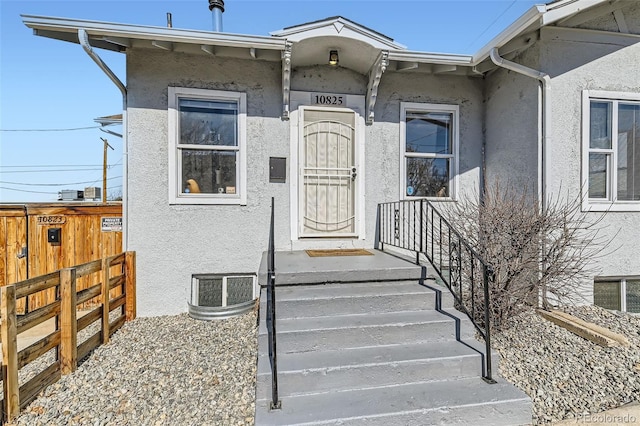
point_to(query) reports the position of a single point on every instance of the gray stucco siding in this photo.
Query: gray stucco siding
(512, 125)
(175, 241)
(397, 87)
(577, 66)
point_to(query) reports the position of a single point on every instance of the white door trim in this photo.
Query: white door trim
(356, 104)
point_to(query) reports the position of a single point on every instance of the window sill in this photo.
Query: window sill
(432, 199)
(208, 201)
(608, 206)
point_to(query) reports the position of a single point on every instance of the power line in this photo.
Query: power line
(56, 165)
(24, 190)
(53, 184)
(50, 130)
(43, 192)
(49, 171)
(492, 23)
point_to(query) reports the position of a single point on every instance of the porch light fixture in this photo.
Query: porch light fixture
(333, 58)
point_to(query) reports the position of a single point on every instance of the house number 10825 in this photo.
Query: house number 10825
(328, 99)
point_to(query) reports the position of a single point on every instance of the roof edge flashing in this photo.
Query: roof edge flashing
(100, 28)
(530, 17)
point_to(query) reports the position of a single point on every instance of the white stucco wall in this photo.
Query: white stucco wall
(383, 137)
(175, 241)
(511, 127)
(576, 66)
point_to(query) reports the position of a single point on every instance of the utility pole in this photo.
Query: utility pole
(104, 170)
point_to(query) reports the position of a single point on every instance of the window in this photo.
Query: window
(429, 149)
(207, 154)
(620, 295)
(611, 151)
(217, 296)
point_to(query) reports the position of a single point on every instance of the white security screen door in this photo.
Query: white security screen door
(327, 173)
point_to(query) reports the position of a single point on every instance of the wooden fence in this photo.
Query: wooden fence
(114, 294)
(86, 233)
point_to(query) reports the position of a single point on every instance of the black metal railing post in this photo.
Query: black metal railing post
(421, 236)
(488, 277)
(275, 404)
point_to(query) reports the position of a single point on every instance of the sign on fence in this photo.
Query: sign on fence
(111, 224)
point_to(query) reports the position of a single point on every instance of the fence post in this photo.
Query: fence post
(9, 331)
(68, 321)
(130, 285)
(105, 299)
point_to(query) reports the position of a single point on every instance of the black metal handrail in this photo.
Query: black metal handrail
(418, 227)
(271, 315)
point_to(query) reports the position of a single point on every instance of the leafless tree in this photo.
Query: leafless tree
(540, 255)
(115, 195)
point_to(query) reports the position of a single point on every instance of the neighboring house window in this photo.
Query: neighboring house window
(611, 151)
(429, 149)
(620, 294)
(207, 153)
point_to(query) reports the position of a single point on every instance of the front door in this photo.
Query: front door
(327, 173)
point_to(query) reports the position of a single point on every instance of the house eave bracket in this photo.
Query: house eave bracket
(375, 75)
(286, 80)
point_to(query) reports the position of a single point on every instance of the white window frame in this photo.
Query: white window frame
(176, 196)
(622, 281)
(195, 286)
(424, 108)
(611, 203)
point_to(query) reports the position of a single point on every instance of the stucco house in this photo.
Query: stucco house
(331, 118)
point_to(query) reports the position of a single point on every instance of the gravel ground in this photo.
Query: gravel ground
(170, 370)
(179, 371)
(565, 375)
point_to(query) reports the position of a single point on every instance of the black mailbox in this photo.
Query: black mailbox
(53, 235)
(277, 169)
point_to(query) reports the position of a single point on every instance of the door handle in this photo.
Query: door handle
(353, 174)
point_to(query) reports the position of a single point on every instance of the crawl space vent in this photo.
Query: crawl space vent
(216, 296)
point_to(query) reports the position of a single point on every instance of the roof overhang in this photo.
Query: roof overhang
(119, 37)
(517, 35)
(361, 49)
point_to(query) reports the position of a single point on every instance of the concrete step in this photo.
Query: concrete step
(330, 371)
(434, 327)
(378, 353)
(297, 268)
(367, 320)
(342, 290)
(462, 401)
(352, 305)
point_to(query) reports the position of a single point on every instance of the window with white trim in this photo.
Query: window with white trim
(207, 154)
(617, 294)
(611, 151)
(428, 149)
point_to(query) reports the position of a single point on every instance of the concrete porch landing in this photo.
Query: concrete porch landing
(297, 267)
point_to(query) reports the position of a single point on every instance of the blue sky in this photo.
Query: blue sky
(47, 84)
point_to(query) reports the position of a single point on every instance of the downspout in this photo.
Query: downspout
(83, 38)
(544, 121)
(544, 117)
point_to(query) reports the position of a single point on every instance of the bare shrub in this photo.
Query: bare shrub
(540, 256)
